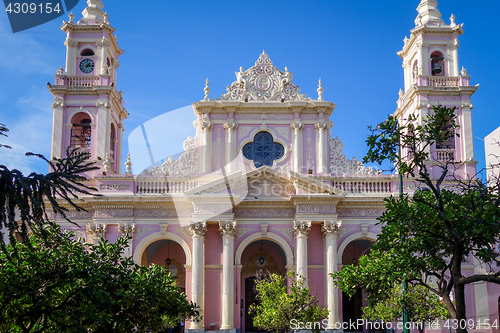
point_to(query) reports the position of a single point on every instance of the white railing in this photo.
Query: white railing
(444, 81)
(79, 81)
(147, 185)
(363, 186)
(445, 154)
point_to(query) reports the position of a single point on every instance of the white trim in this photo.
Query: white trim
(75, 112)
(146, 241)
(270, 236)
(358, 235)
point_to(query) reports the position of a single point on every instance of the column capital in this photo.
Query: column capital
(321, 126)
(198, 229)
(230, 125)
(126, 229)
(301, 228)
(330, 228)
(297, 125)
(97, 230)
(205, 125)
(227, 228)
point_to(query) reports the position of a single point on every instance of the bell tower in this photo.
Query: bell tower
(432, 77)
(88, 109)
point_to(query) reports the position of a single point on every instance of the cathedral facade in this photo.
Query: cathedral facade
(263, 186)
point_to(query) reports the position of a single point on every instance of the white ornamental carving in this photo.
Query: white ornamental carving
(190, 143)
(285, 231)
(186, 164)
(341, 165)
(264, 82)
(243, 131)
(140, 231)
(284, 132)
(242, 231)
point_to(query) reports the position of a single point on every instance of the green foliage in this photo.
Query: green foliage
(67, 286)
(422, 305)
(425, 240)
(4, 130)
(278, 307)
(29, 195)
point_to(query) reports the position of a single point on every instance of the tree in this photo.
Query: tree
(281, 311)
(423, 306)
(28, 195)
(426, 238)
(65, 285)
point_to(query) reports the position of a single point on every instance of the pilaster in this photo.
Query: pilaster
(206, 127)
(96, 231)
(322, 147)
(297, 128)
(57, 128)
(230, 127)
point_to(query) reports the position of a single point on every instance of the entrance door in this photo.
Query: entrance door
(351, 309)
(250, 298)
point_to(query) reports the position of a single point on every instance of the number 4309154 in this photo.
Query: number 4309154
(32, 8)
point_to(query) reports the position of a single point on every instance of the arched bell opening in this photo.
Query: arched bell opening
(437, 64)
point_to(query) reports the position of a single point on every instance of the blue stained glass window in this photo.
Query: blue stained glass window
(263, 150)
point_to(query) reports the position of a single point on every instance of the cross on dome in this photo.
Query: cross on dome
(93, 14)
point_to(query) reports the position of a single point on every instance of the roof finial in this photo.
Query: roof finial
(428, 12)
(128, 165)
(263, 51)
(464, 71)
(452, 20)
(107, 165)
(320, 91)
(93, 14)
(207, 91)
(71, 17)
(401, 93)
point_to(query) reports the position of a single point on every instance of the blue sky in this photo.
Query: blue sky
(172, 47)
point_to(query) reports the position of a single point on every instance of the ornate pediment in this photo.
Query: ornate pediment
(264, 82)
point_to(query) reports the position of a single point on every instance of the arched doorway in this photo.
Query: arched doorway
(166, 252)
(352, 306)
(261, 257)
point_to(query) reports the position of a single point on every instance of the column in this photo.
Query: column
(101, 140)
(228, 231)
(206, 144)
(197, 230)
(330, 232)
(96, 231)
(297, 128)
(301, 229)
(71, 56)
(322, 148)
(230, 127)
(127, 230)
(58, 129)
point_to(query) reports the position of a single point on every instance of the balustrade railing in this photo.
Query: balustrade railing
(444, 81)
(79, 81)
(445, 154)
(152, 185)
(363, 186)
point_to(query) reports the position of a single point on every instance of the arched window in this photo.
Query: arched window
(263, 150)
(437, 64)
(81, 131)
(87, 52)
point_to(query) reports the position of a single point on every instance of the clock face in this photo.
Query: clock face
(87, 66)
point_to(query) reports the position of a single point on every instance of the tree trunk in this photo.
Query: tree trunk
(459, 289)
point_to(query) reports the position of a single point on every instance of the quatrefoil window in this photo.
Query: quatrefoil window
(263, 150)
